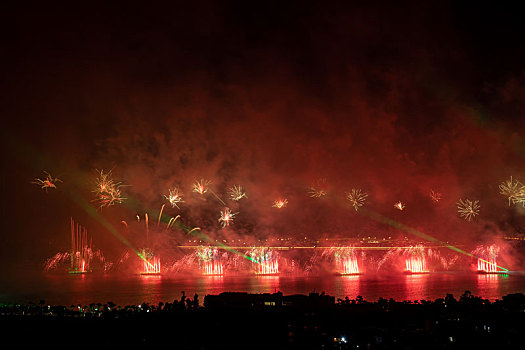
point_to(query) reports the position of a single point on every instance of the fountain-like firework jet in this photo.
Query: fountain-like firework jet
(435, 196)
(265, 261)
(400, 206)
(48, 182)
(486, 259)
(201, 186)
(174, 197)
(468, 209)
(236, 193)
(81, 252)
(210, 261)
(487, 266)
(150, 263)
(416, 264)
(357, 198)
(107, 191)
(346, 262)
(513, 190)
(280, 203)
(226, 217)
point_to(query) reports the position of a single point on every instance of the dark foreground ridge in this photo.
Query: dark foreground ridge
(274, 321)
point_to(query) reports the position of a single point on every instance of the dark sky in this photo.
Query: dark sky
(396, 100)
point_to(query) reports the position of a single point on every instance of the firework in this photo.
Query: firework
(346, 261)
(237, 193)
(81, 252)
(513, 190)
(226, 217)
(210, 261)
(174, 197)
(280, 203)
(316, 192)
(318, 189)
(357, 198)
(435, 196)
(416, 264)
(400, 206)
(468, 209)
(265, 261)
(107, 191)
(150, 263)
(48, 182)
(201, 186)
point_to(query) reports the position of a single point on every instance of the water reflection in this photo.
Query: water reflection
(416, 286)
(348, 285)
(151, 288)
(490, 284)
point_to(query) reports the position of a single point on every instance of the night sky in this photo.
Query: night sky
(275, 96)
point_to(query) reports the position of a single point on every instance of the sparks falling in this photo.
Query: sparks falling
(399, 206)
(236, 193)
(468, 209)
(107, 191)
(48, 182)
(357, 198)
(201, 186)
(513, 190)
(226, 217)
(175, 197)
(280, 203)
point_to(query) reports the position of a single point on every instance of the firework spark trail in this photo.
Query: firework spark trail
(468, 209)
(172, 221)
(226, 217)
(174, 197)
(48, 182)
(237, 193)
(357, 198)
(160, 215)
(513, 190)
(280, 203)
(400, 206)
(107, 191)
(59, 258)
(316, 192)
(201, 186)
(218, 198)
(435, 196)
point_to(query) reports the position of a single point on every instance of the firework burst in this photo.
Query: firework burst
(468, 209)
(357, 198)
(280, 203)
(106, 190)
(435, 196)
(175, 197)
(201, 186)
(237, 193)
(48, 182)
(400, 206)
(513, 190)
(226, 217)
(318, 189)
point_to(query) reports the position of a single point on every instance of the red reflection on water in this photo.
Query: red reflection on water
(348, 285)
(489, 284)
(416, 286)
